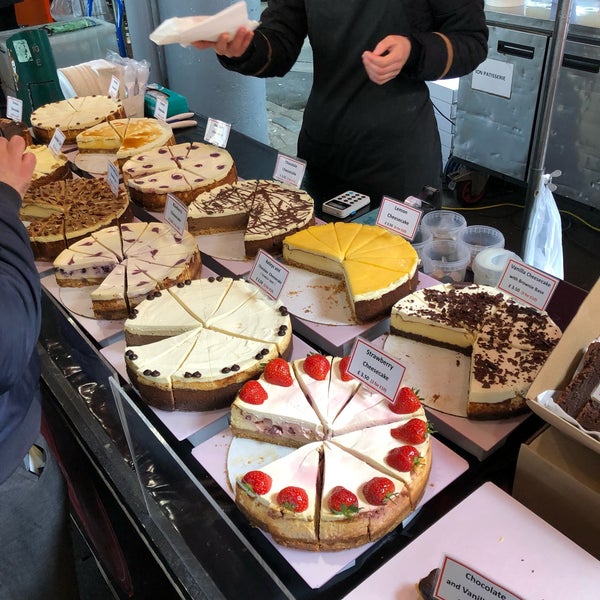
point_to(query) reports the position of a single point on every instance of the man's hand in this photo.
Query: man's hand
(387, 58)
(16, 165)
(231, 48)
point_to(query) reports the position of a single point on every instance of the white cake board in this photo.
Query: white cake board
(316, 568)
(493, 534)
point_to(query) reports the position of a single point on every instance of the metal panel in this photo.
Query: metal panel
(495, 132)
(574, 144)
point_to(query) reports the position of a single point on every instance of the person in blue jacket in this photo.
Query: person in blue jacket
(368, 124)
(36, 559)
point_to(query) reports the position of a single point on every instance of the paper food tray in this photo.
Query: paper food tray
(562, 363)
(185, 30)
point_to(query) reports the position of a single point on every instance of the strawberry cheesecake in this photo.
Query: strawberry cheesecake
(350, 488)
(377, 267)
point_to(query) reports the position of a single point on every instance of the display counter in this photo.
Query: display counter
(149, 490)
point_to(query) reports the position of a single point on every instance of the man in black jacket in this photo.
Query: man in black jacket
(36, 559)
(8, 16)
(369, 124)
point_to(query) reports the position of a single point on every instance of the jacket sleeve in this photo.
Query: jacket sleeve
(453, 44)
(20, 292)
(277, 41)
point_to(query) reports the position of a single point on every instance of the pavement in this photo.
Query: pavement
(286, 98)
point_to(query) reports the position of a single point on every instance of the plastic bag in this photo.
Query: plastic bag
(63, 10)
(543, 249)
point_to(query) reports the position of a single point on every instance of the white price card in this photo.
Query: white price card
(176, 214)
(57, 141)
(289, 170)
(458, 582)
(113, 176)
(380, 371)
(161, 109)
(494, 77)
(268, 274)
(217, 133)
(14, 108)
(399, 217)
(113, 88)
(528, 284)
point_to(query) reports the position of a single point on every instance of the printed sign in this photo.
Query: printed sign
(289, 170)
(494, 77)
(268, 274)
(57, 141)
(113, 88)
(528, 284)
(112, 176)
(161, 108)
(380, 371)
(176, 214)
(458, 582)
(217, 133)
(14, 108)
(399, 217)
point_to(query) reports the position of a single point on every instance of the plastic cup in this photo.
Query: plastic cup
(443, 224)
(489, 264)
(422, 236)
(446, 260)
(480, 237)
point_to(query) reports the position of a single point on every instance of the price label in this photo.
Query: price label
(457, 582)
(399, 217)
(57, 141)
(268, 274)
(217, 133)
(176, 214)
(14, 108)
(380, 371)
(113, 88)
(112, 176)
(161, 108)
(528, 284)
(289, 170)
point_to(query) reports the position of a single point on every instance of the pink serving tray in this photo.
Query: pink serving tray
(493, 534)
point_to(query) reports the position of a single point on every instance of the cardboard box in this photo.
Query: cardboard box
(557, 478)
(560, 366)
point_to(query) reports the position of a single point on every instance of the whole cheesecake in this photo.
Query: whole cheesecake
(60, 213)
(508, 342)
(126, 263)
(377, 266)
(72, 116)
(184, 170)
(266, 211)
(345, 436)
(192, 346)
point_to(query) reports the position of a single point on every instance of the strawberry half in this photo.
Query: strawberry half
(343, 502)
(293, 498)
(379, 490)
(406, 401)
(413, 432)
(253, 393)
(404, 458)
(277, 372)
(344, 369)
(256, 482)
(317, 366)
